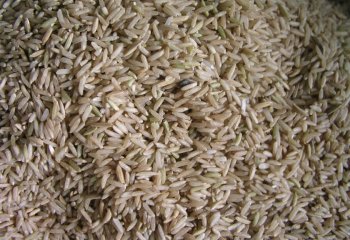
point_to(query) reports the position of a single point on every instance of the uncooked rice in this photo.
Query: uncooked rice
(174, 119)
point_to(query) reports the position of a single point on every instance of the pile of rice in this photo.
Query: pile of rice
(174, 119)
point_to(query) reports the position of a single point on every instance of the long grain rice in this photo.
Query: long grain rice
(174, 119)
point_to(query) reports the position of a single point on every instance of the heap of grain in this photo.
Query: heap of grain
(173, 119)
